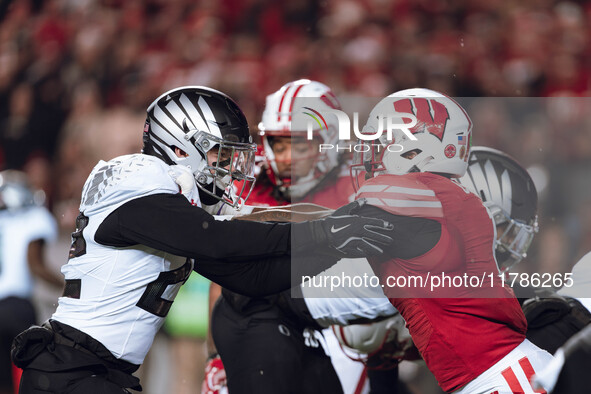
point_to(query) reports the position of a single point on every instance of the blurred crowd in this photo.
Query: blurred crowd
(77, 75)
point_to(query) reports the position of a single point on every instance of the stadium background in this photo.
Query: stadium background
(77, 75)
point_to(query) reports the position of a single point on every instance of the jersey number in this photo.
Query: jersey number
(78, 247)
(152, 301)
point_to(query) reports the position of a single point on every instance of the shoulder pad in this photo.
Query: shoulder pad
(402, 195)
(125, 178)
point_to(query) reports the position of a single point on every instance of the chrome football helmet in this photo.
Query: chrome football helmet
(198, 120)
(510, 195)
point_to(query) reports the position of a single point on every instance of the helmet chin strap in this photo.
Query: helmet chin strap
(208, 199)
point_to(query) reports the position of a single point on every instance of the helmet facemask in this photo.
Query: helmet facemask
(514, 237)
(227, 173)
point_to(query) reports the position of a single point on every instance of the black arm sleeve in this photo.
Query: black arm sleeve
(261, 277)
(168, 222)
(413, 236)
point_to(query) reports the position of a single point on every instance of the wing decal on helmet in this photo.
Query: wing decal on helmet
(193, 113)
(479, 181)
(494, 187)
(173, 107)
(165, 122)
(507, 192)
(468, 182)
(209, 117)
(489, 186)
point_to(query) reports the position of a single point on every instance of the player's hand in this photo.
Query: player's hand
(350, 209)
(215, 377)
(183, 176)
(352, 236)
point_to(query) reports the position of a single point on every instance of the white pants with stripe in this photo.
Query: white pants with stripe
(351, 373)
(512, 374)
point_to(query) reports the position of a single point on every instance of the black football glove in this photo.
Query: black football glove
(347, 235)
(350, 209)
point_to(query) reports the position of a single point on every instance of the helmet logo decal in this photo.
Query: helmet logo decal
(208, 115)
(432, 116)
(450, 151)
(193, 114)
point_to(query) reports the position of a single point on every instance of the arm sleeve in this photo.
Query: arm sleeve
(413, 236)
(168, 222)
(263, 277)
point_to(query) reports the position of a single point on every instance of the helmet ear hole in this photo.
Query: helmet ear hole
(179, 152)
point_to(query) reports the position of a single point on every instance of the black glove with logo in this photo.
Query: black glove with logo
(343, 234)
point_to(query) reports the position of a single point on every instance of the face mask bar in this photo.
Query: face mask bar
(231, 174)
(515, 238)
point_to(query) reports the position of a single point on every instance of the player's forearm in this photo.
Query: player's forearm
(262, 277)
(169, 223)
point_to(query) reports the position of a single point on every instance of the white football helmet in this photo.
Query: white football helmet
(196, 120)
(292, 100)
(442, 130)
(509, 193)
(362, 341)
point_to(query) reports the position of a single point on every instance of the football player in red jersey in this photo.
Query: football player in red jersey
(279, 352)
(272, 356)
(472, 338)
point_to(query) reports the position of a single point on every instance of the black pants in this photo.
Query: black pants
(17, 315)
(574, 377)
(265, 353)
(71, 382)
(57, 358)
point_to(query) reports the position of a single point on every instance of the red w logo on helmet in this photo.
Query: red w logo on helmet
(431, 115)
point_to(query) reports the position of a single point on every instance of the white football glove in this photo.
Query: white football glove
(183, 176)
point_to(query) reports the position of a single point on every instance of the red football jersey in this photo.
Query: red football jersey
(464, 334)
